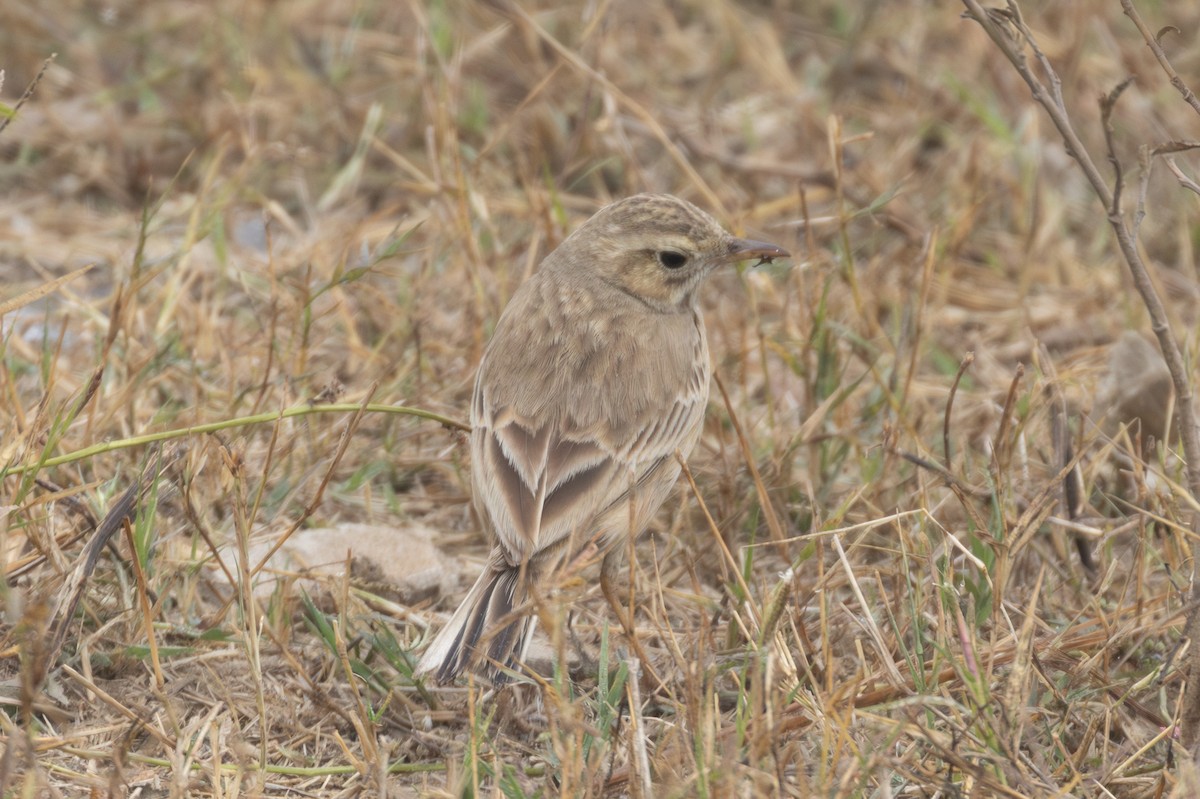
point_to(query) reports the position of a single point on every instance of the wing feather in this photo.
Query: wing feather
(539, 486)
(560, 442)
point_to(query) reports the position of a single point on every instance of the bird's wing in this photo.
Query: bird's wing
(539, 482)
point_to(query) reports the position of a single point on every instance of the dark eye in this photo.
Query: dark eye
(671, 259)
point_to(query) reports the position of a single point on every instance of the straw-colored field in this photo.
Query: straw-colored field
(874, 586)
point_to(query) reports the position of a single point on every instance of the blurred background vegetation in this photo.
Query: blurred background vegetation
(303, 202)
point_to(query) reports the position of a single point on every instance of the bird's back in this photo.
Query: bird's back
(586, 403)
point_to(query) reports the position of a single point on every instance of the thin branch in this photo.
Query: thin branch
(1107, 103)
(1146, 156)
(998, 27)
(1052, 101)
(1183, 179)
(1154, 42)
(29, 90)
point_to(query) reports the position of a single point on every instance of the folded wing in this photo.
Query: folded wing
(541, 482)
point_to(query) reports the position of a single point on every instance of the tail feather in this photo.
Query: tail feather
(483, 635)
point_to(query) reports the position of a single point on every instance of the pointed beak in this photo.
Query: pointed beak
(747, 249)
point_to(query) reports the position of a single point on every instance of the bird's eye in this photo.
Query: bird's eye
(671, 259)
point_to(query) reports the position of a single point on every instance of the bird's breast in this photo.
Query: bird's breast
(593, 362)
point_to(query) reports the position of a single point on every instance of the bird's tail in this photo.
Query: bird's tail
(484, 634)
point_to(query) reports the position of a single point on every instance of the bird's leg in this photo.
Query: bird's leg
(587, 661)
(608, 573)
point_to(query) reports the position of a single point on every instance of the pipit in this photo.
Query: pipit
(596, 377)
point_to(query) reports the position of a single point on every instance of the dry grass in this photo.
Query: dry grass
(296, 203)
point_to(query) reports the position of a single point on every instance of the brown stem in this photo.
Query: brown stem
(1051, 100)
(1009, 33)
(1153, 42)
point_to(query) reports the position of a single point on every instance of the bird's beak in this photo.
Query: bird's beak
(746, 249)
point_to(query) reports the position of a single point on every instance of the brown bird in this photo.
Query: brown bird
(596, 376)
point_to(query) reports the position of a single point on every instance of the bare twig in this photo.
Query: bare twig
(1183, 179)
(1107, 103)
(122, 510)
(1051, 99)
(1009, 33)
(1002, 449)
(1154, 42)
(1146, 158)
(27, 93)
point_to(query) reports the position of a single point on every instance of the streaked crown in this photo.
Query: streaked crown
(655, 247)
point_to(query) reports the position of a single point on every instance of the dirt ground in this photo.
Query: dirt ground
(250, 254)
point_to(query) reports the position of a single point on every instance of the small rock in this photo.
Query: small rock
(400, 562)
(1137, 391)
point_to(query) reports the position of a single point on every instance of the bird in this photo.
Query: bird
(590, 393)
